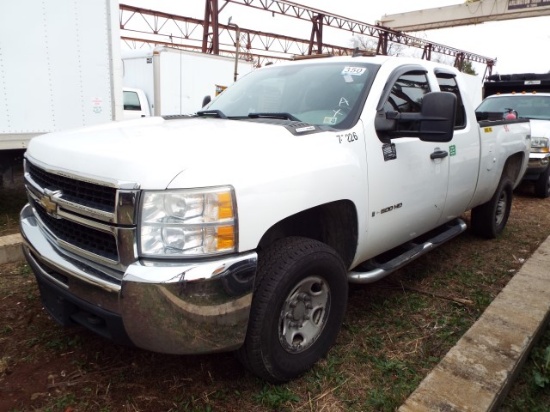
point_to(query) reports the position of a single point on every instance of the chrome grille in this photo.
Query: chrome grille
(85, 238)
(85, 217)
(77, 191)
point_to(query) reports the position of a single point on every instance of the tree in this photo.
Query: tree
(468, 68)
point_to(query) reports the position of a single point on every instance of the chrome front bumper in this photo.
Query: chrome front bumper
(163, 306)
(538, 162)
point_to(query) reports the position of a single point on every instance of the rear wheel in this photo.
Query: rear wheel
(489, 219)
(542, 184)
(297, 309)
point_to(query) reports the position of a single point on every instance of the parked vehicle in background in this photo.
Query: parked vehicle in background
(239, 228)
(136, 104)
(525, 96)
(176, 81)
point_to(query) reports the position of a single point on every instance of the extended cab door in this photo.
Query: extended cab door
(408, 178)
(464, 149)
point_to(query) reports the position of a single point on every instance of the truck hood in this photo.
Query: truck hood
(151, 152)
(540, 128)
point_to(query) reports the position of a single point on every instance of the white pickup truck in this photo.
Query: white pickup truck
(240, 226)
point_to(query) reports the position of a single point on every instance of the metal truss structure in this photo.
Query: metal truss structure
(142, 26)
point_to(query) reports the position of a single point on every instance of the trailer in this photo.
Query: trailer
(175, 81)
(59, 69)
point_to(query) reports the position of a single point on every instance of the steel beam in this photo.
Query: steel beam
(468, 13)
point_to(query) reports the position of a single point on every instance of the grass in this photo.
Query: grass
(531, 391)
(275, 397)
(395, 331)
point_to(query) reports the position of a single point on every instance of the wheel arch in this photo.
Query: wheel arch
(513, 168)
(334, 224)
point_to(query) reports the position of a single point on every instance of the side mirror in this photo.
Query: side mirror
(438, 117)
(434, 123)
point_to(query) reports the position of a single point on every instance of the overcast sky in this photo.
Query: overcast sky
(518, 45)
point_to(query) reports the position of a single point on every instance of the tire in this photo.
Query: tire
(489, 219)
(542, 184)
(297, 310)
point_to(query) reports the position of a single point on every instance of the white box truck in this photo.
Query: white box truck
(175, 81)
(60, 68)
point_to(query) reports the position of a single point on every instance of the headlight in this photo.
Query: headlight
(190, 223)
(539, 145)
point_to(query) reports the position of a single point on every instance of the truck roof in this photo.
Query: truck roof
(378, 59)
(150, 52)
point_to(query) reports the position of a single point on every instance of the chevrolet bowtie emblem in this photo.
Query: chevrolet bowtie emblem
(48, 203)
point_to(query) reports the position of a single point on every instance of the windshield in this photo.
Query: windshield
(527, 106)
(329, 94)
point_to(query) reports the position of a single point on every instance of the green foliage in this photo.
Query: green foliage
(62, 342)
(468, 68)
(63, 402)
(541, 375)
(379, 400)
(531, 389)
(275, 397)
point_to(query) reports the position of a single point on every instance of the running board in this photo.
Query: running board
(373, 270)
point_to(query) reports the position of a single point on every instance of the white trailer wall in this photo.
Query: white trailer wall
(193, 76)
(58, 66)
(176, 81)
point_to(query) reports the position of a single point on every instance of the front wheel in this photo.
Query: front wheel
(297, 310)
(542, 184)
(489, 219)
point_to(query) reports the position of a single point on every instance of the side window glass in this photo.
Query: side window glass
(406, 97)
(407, 93)
(447, 83)
(131, 101)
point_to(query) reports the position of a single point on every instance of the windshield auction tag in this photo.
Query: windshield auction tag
(353, 71)
(348, 72)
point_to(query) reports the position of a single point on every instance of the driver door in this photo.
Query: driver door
(408, 178)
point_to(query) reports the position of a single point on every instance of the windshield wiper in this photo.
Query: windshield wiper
(274, 115)
(212, 113)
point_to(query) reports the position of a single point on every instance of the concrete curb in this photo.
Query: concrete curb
(10, 249)
(478, 371)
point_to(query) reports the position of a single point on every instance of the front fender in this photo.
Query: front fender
(324, 171)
